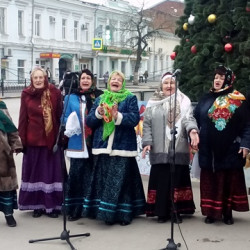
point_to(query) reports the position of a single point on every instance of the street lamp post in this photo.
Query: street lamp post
(97, 69)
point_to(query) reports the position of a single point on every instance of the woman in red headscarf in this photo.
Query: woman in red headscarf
(39, 121)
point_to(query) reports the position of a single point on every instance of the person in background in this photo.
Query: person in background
(64, 90)
(223, 118)
(105, 79)
(145, 76)
(77, 106)
(39, 120)
(157, 140)
(116, 192)
(10, 143)
(48, 74)
(140, 76)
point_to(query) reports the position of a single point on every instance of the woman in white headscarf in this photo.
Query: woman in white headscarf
(159, 119)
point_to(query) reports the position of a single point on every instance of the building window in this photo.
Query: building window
(42, 64)
(52, 22)
(123, 68)
(75, 30)
(37, 25)
(2, 21)
(20, 70)
(20, 23)
(84, 66)
(4, 70)
(87, 32)
(113, 65)
(64, 24)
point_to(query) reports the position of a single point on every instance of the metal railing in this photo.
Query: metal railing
(13, 86)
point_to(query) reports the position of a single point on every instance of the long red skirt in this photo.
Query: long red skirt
(223, 191)
(159, 191)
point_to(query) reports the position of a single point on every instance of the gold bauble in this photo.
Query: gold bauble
(211, 18)
(185, 26)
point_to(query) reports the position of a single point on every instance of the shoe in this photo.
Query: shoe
(177, 219)
(124, 223)
(11, 222)
(109, 223)
(162, 219)
(228, 220)
(209, 220)
(37, 213)
(53, 214)
(73, 217)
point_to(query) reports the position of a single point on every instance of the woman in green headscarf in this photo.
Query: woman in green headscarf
(10, 142)
(116, 192)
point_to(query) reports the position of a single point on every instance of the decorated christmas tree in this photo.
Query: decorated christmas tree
(213, 32)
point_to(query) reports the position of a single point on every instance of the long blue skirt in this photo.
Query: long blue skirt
(8, 201)
(77, 185)
(42, 182)
(116, 191)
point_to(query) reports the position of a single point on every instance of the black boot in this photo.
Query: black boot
(228, 218)
(209, 220)
(53, 214)
(37, 213)
(11, 222)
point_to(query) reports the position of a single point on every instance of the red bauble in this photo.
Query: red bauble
(228, 47)
(173, 55)
(193, 49)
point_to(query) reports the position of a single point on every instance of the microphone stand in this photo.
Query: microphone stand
(65, 235)
(171, 244)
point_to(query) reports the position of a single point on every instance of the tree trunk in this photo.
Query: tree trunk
(136, 78)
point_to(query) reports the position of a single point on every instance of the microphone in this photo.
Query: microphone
(55, 148)
(177, 72)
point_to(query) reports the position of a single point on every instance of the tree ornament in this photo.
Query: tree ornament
(191, 19)
(185, 26)
(228, 47)
(193, 49)
(211, 18)
(226, 39)
(173, 55)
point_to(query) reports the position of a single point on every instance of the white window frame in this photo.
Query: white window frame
(64, 28)
(52, 25)
(2, 20)
(20, 70)
(87, 32)
(20, 22)
(76, 25)
(37, 25)
(84, 66)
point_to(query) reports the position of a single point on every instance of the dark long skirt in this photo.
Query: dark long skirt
(159, 191)
(116, 192)
(77, 185)
(222, 192)
(41, 184)
(8, 202)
